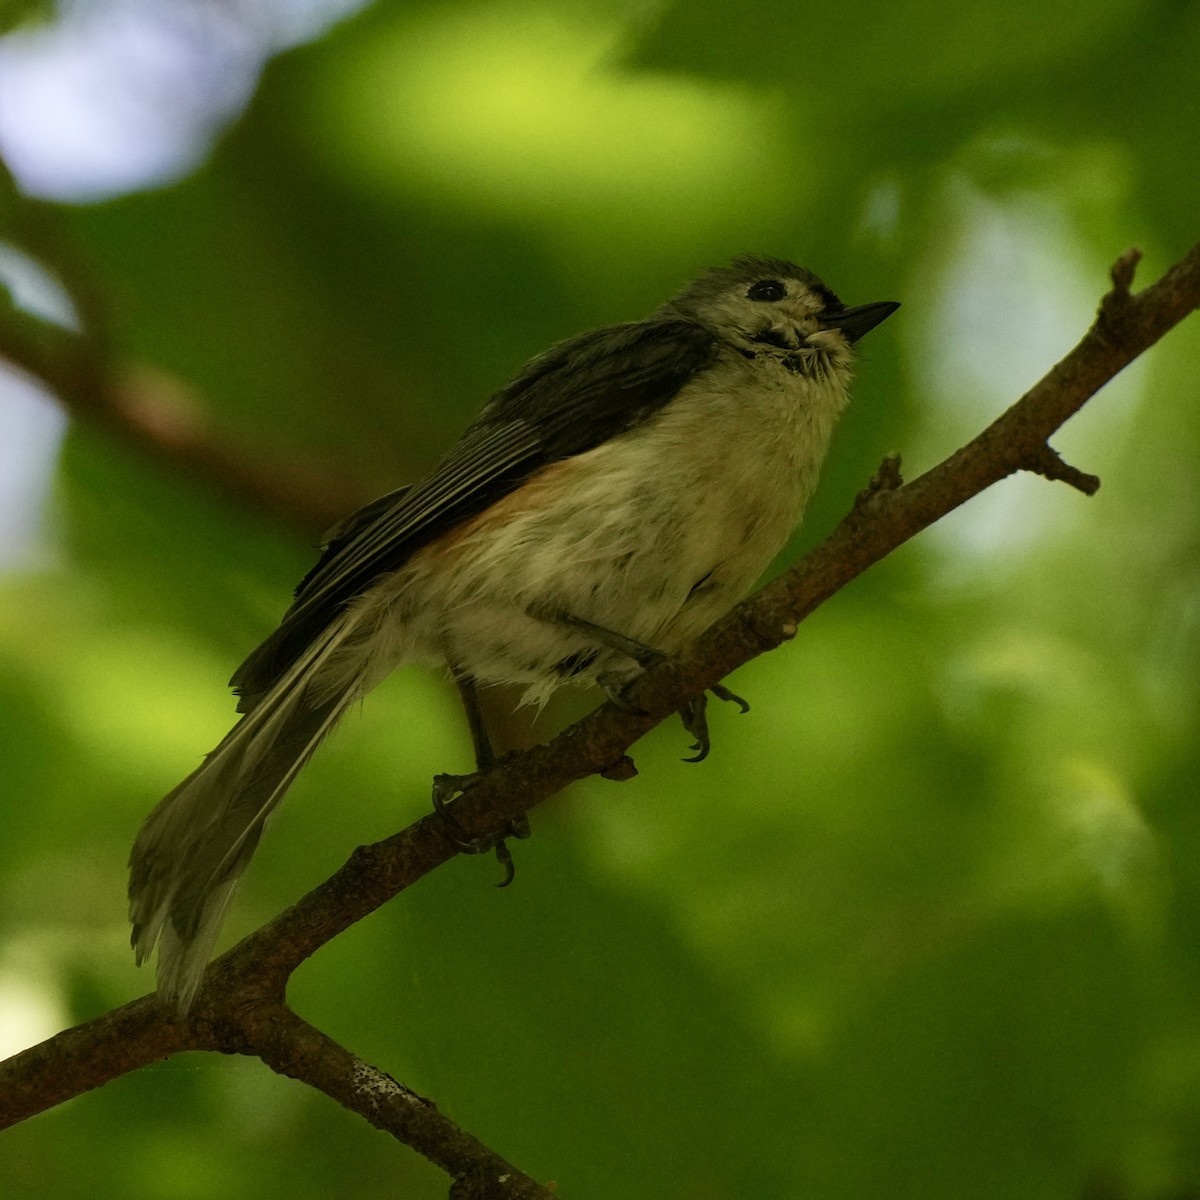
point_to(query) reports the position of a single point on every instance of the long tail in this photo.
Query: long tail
(194, 846)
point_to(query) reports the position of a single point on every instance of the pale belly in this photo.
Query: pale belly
(653, 535)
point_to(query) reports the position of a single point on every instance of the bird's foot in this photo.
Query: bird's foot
(693, 714)
(695, 718)
(445, 788)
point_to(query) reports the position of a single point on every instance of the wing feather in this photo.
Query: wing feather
(564, 402)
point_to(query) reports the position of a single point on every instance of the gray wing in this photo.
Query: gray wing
(564, 402)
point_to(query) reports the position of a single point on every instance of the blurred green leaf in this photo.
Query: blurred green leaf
(17, 13)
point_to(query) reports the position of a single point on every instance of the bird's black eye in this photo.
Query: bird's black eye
(766, 289)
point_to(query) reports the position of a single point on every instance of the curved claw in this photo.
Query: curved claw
(723, 693)
(616, 689)
(518, 827)
(695, 721)
(505, 859)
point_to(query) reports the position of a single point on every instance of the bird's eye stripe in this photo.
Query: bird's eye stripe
(766, 289)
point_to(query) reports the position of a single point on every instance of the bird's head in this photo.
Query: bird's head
(767, 306)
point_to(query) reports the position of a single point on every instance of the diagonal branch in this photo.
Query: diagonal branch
(241, 1005)
(155, 413)
(294, 1048)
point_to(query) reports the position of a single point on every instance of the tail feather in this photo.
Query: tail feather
(195, 845)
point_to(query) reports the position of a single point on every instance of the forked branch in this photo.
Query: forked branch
(241, 1006)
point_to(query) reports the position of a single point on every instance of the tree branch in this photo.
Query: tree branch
(146, 409)
(294, 1048)
(88, 1055)
(157, 414)
(241, 1007)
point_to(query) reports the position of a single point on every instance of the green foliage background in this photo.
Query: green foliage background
(925, 925)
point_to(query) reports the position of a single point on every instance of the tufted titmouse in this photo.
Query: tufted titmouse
(608, 504)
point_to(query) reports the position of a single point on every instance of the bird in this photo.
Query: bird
(618, 495)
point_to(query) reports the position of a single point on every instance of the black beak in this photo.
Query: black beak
(855, 322)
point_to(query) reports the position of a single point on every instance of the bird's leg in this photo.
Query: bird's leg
(485, 756)
(615, 687)
(445, 787)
